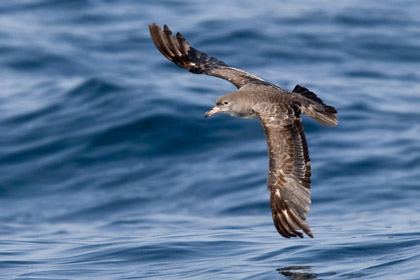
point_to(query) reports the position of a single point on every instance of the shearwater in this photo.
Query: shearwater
(278, 110)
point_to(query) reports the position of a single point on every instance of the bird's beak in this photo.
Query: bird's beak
(212, 112)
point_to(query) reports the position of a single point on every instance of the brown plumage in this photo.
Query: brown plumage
(289, 175)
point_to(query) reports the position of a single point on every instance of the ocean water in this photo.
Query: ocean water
(108, 169)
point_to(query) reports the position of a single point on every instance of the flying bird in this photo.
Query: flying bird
(289, 175)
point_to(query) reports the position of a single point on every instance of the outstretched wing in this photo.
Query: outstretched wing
(179, 51)
(289, 175)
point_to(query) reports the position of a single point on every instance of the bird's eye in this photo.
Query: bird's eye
(226, 102)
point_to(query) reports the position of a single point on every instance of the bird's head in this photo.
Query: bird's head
(229, 104)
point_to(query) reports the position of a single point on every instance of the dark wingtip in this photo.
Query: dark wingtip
(166, 29)
(309, 233)
(153, 26)
(286, 221)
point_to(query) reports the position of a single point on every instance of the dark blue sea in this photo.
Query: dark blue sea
(108, 169)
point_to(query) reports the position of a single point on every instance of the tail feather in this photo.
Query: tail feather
(314, 107)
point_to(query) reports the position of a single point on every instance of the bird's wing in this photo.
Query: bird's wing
(289, 175)
(179, 51)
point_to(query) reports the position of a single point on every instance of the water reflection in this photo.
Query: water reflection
(298, 272)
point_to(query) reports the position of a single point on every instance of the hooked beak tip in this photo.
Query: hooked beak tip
(211, 112)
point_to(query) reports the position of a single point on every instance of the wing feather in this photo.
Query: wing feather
(179, 51)
(289, 175)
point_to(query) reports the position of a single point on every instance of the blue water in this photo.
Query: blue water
(109, 171)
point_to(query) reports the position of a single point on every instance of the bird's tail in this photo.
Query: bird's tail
(312, 106)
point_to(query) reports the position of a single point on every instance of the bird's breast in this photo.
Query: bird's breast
(244, 115)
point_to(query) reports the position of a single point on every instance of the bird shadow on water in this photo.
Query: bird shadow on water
(298, 272)
(302, 272)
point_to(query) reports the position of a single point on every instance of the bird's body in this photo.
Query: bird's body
(279, 113)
